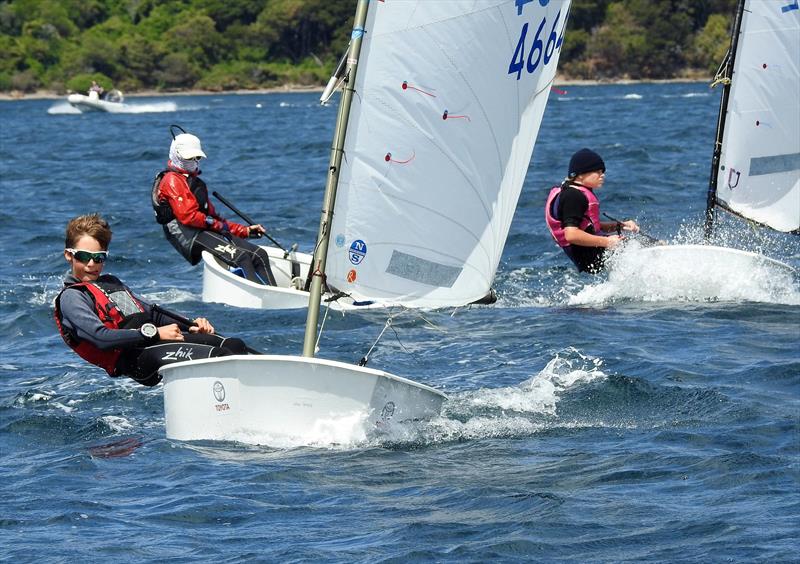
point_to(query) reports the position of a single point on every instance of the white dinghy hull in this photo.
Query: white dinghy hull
(220, 285)
(273, 399)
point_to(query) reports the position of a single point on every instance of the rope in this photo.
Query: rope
(322, 326)
(365, 358)
(724, 80)
(719, 76)
(389, 325)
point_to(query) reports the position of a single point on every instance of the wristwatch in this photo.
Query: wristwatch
(149, 332)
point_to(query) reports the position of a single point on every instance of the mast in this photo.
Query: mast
(726, 72)
(337, 150)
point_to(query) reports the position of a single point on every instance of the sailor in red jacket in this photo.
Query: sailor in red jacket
(108, 325)
(192, 225)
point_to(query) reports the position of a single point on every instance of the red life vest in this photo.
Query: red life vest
(113, 302)
(592, 216)
(197, 187)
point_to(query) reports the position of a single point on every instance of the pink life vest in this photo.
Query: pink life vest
(592, 216)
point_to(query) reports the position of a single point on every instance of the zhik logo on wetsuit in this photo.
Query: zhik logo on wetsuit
(180, 354)
(230, 249)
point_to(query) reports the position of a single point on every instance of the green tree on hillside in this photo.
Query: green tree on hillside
(229, 44)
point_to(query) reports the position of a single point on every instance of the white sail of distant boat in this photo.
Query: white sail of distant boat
(755, 167)
(433, 139)
(757, 173)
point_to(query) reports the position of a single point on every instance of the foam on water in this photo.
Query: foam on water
(147, 108)
(40, 291)
(522, 410)
(345, 431)
(117, 424)
(62, 108)
(43, 398)
(690, 273)
(43, 291)
(170, 296)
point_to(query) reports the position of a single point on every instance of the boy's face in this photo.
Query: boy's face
(85, 271)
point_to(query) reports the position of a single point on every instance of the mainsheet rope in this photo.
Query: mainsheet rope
(388, 325)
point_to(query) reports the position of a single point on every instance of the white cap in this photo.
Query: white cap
(187, 146)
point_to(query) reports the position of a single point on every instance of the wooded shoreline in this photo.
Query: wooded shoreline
(174, 46)
(293, 89)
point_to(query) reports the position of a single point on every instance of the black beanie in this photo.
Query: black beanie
(585, 160)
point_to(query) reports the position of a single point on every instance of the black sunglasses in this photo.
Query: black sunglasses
(85, 256)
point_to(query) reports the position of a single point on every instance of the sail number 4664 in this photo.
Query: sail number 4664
(542, 47)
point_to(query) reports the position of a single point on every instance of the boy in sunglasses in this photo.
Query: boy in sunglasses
(192, 225)
(572, 212)
(109, 326)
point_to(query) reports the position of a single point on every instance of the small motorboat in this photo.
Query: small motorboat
(111, 101)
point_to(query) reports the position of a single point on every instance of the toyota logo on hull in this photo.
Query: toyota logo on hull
(219, 391)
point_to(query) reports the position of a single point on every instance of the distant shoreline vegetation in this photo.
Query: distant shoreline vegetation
(167, 46)
(559, 84)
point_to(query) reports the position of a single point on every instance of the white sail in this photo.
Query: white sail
(449, 99)
(759, 171)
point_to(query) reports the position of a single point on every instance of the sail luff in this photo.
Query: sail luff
(711, 199)
(329, 201)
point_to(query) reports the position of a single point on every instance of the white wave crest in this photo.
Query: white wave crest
(540, 393)
(514, 411)
(116, 423)
(64, 108)
(170, 296)
(693, 273)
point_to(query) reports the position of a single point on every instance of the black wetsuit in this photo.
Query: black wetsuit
(235, 252)
(571, 211)
(140, 358)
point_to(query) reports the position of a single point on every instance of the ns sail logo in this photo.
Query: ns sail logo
(357, 252)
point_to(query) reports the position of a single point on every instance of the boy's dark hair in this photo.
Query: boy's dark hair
(92, 225)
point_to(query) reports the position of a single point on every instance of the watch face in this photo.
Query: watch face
(149, 330)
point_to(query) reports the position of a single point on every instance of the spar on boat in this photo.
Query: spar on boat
(440, 108)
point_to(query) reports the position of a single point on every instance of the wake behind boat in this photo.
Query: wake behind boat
(112, 101)
(693, 273)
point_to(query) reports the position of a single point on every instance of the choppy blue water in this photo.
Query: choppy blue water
(589, 420)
